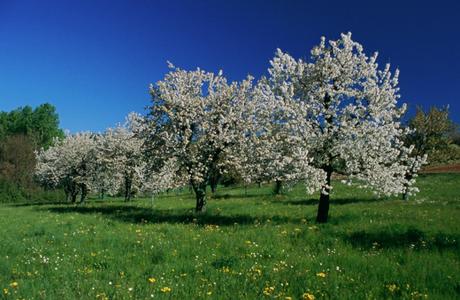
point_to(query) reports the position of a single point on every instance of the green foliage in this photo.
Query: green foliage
(10, 192)
(17, 160)
(449, 155)
(249, 245)
(22, 131)
(40, 124)
(13, 193)
(433, 134)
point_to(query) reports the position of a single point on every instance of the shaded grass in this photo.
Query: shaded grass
(248, 242)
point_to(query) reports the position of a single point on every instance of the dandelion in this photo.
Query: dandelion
(102, 296)
(308, 296)
(14, 284)
(165, 289)
(152, 280)
(269, 290)
(209, 293)
(5, 291)
(392, 287)
(321, 274)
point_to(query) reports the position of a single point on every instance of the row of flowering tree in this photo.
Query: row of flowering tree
(337, 112)
(107, 164)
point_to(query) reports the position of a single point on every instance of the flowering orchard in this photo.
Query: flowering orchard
(337, 112)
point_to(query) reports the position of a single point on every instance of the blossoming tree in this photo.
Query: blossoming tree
(345, 109)
(69, 163)
(120, 159)
(271, 151)
(195, 119)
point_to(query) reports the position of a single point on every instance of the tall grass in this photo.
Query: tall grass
(249, 245)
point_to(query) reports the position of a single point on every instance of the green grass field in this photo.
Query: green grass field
(249, 245)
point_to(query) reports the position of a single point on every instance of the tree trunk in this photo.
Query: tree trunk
(278, 187)
(213, 187)
(72, 192)
(200, 193)
(74, 197)
(323, 206)
(214, 181)
(128, 185)
(84, 193)
(405, 195)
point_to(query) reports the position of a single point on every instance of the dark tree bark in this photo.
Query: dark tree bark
(71, 191)
(74, 193)
(323, 206)
(214, 179)
(128, 188)
(74, 197)
(84, 193)
(200, 194)
(213, 185)
(405, 195)
(278, 187)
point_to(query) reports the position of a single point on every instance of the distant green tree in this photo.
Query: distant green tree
(22, 132)
(41, 124)
(17, 160)
(432, 133)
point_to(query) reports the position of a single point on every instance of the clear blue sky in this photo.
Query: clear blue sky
(95, 59)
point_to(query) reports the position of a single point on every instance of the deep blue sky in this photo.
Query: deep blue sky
(94, 60)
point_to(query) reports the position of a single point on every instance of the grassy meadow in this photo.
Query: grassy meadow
(249, 245)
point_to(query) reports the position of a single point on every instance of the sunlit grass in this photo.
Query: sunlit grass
(250, 244)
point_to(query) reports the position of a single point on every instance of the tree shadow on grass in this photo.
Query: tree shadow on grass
(236, 196)
(333, 201)
(26, 204)
(411, 238)
(133, 214)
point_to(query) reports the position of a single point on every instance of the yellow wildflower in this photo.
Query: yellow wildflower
(152, 280)
(308, 296)
(269, 290)
(5, 291)
(165, 289)
(392, 287)
(102, 296)
(321, 274)
(14, 284)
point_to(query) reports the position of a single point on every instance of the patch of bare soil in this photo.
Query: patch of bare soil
(453, 168)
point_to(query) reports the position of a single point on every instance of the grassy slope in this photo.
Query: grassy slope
(247, 244)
